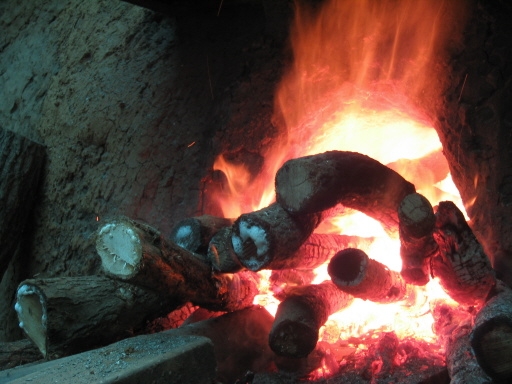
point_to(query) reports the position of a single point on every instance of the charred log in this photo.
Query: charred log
(194, 233)
(416, 225)
(353, 272)
(491, 338)
(264, 239)
(461, 265)
(66, 315)
(300, 316)
(315, 183)
(138, 254)
(453, 326)
(221, 254)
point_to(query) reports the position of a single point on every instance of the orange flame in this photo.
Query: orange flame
(360, 68)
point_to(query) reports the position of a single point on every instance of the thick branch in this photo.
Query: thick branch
(491, 337)
(417, 245)
(221, 254)
(136, 253)
(352, 271)
(65, 315)
(461, 265)
(453, 327)
(319, 182)
(300, 316)
(194, 234)
(264, 239)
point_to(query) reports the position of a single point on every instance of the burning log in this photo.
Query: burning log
(138, 254)
(194, 234)
(315, 183)
(65, 315)
(352, 271)
(453, 326)
(265, 239)
(491, 338)
(463, 268)
(221, 254)
(301, 314)
(417, 245)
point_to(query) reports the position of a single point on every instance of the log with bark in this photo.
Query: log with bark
(194, 233)
(136, 253)
(417, 245)
(65, 315)
(463, 268)
(221, 254)
(315, 183)
(21, 163)
(491, 337)
(268, 238)
(352, 271)
(301, 314)
(453, 326)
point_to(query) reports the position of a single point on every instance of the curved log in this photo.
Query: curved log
(315, 183)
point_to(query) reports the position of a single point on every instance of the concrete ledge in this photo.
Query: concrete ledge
(158, 358)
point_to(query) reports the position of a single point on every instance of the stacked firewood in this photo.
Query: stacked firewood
(212, 262)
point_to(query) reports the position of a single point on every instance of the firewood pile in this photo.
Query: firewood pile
(211, 263)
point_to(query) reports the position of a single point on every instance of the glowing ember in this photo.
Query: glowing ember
(357, 66)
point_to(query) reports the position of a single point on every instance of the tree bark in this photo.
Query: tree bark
(194, 233)
(138, 254)
(353, 272)
(417, 245)
(491, 337)
(318, 182)
(65, 315)
(264, 239)
(463, 269)
(21, 162)
(453, 327)
(15, 353)
(221, 254)
(301, 314)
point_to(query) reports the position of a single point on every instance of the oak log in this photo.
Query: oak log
(417, 245)
(194, 233)
(301, 314)
(315, 183)
(266, 238)
(352, 271)
(65, 315)
(463, 268)
(136, 253)
(491, 337)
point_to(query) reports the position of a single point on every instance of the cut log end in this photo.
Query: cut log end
(31, 309)
(251, 246)
(120, 249)
(292, 338)
(416, 216)
(348, 267)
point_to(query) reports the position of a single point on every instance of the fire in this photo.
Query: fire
(360, 68)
